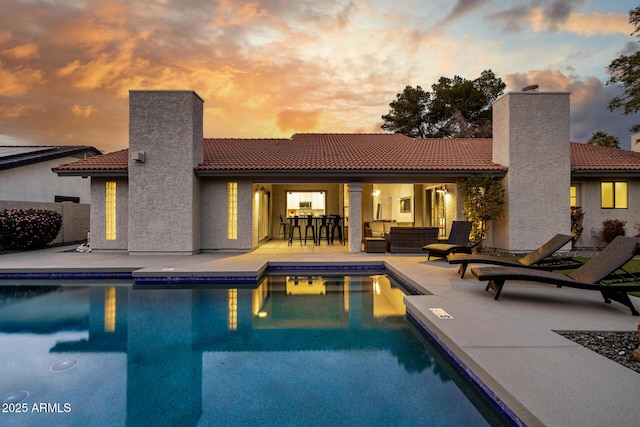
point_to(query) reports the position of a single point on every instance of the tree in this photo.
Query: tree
(625, 70)
(407, 114)
(456, 108)
(603, 139)
(483, 201)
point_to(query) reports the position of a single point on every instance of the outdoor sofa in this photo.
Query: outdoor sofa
(410, 239)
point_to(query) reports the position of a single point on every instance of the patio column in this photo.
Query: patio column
(355, 216)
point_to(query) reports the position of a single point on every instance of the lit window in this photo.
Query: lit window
(613, 195)
(573, 195)
(110, 309)
(232, 210)
(110, 210)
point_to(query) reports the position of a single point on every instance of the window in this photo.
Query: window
(232, 210)
(613, 195)
(573, 196)
(110, 210)
(60, 199)
(306, 203)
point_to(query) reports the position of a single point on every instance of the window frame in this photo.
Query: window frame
(615, 204)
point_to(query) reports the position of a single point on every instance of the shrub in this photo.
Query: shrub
(611, 228)
(577, 215)
(483, 201)
(28, 228)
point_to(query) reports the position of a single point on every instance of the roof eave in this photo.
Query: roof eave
(344, 175)
(609, 173)
(116, 173)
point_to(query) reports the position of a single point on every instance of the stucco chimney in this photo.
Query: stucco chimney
(165, 144)
(635, 142)
(531, 137)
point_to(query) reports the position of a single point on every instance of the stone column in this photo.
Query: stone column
(355, 217)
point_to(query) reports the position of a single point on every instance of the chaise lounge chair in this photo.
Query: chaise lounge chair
(542, 258)
(601, 273)
(458, 241)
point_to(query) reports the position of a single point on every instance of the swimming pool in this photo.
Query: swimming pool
(294, 350)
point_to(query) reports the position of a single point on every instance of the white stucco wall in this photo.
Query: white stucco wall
(594, 215)
(163, 190)
(531, 137)
(98, 227)
(213, 201)
(37, 183)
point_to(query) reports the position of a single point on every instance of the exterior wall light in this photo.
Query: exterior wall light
(138, 156)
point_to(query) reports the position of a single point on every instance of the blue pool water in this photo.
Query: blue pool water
(295, 350)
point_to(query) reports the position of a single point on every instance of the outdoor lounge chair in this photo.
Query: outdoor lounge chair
(602, 273)
(458, 241)
(542, 258)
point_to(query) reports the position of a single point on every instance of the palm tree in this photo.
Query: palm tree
(603, 139)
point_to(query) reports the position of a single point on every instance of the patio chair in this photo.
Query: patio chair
(283, 231)
(542, 258)
(458, 241)
(602, 273)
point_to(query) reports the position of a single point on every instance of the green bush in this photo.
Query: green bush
(611, 228)
(32, 228)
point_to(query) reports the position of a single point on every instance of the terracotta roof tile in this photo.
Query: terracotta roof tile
(593, 157)
(384, 152)
(348, 152)
(118, 160)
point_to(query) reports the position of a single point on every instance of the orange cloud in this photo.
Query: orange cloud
(24, 51)
(81, 111)
(297, 120)
(228, 15)
(18, 111)
(18, 80)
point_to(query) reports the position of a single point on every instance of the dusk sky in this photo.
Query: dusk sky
(272, 68)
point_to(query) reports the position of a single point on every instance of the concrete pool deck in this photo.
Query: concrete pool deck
(509, 345)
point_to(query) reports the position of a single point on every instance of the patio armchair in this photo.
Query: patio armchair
(458, 241)
(542, 258)
(603, 273)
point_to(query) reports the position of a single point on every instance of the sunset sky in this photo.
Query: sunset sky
(271, 68)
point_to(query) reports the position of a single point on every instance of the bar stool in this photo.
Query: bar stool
(311, 226)
(295, 223)
(336, 225)
(324, 225)
(283, 231)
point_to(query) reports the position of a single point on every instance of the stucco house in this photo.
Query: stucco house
(25, 173)
(27, 181)
(174, 191)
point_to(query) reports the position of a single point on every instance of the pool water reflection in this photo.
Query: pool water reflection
(312, 350)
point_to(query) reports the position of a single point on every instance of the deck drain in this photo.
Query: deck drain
(63, 365)
(15, 397)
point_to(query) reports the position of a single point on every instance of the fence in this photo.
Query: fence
(75, 218)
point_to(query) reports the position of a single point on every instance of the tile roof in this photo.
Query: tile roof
(116, 161)
(595, 158)
(348, 152)
(360, 152)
